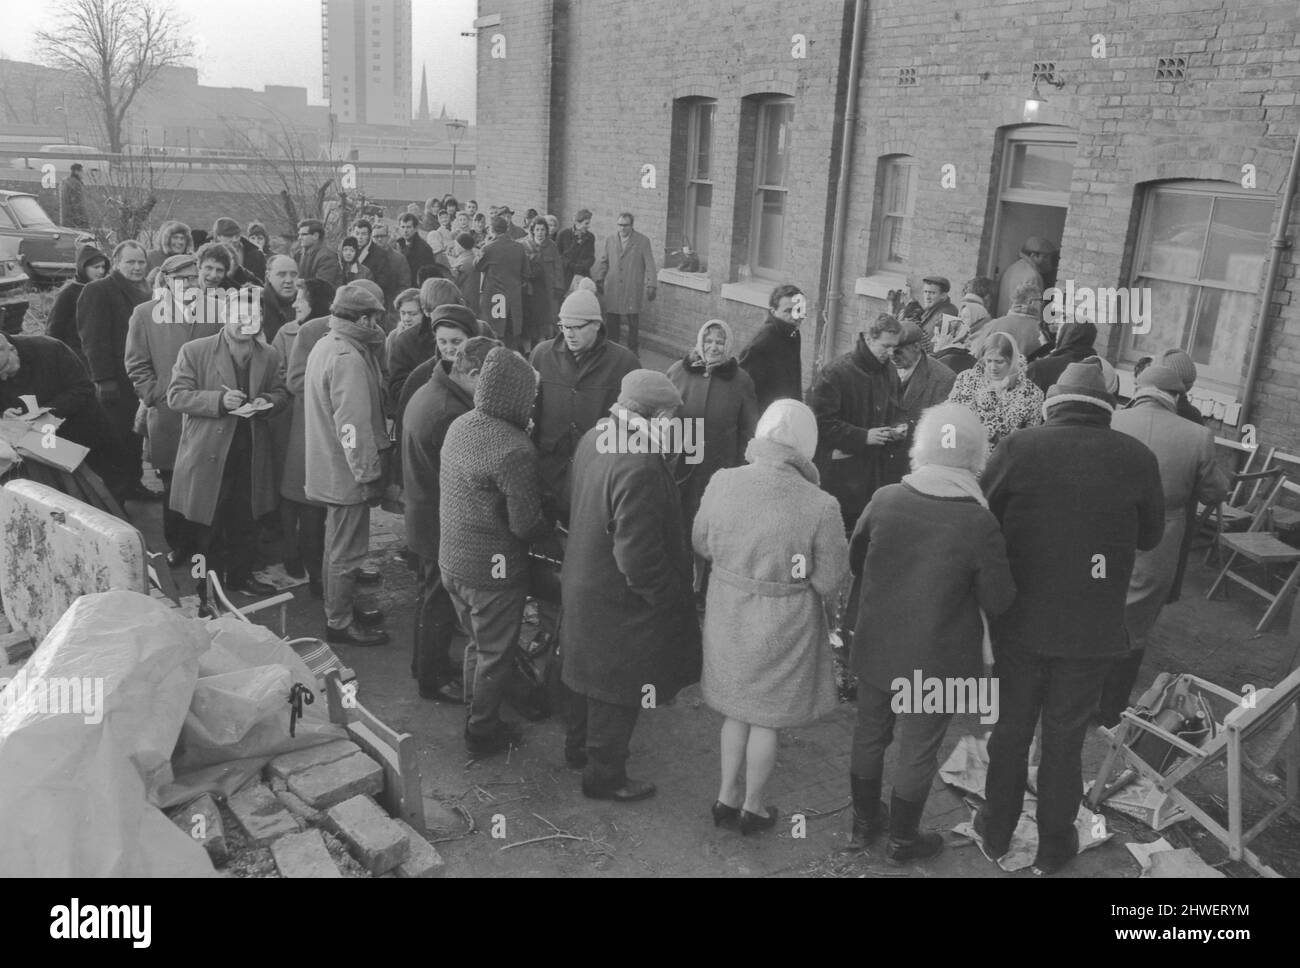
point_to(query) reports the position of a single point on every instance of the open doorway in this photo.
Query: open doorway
(1033, 195)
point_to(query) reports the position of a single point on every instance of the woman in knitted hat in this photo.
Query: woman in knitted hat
(998, 390)
(775, 541)
(717, 392)
(933, 562)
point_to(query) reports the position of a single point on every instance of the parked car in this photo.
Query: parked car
(47, 252)
(14, 287)
(93, 166)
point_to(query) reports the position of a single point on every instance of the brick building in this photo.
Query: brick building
(1157, 158)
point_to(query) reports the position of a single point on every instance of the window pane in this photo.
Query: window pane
(1176, 233)
(775, 149)
(1222, 326)
(698, 204)
(1171, 310)
(897, 182)
(771, 228)
(1238, 242)
(1041, 167)
(894, 239)
(703, 139)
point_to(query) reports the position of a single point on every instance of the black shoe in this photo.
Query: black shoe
(575, 761)
(316, 588)
(906, 842)
(138, 492)
(1051, 858)
(991, 851)
(251, 586)
(724, 815)
(356, 635)
(752, 823)
(450, 692)
(205, 611)
(630, 791)
(505, 736)
(177, 559)
(368, 576)
(368, 616)
(870, 815)
(293, 567)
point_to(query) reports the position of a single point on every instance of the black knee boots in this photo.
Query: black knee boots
(870, 815)
(906, 842)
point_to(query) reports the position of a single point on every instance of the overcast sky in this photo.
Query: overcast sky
(252, 43)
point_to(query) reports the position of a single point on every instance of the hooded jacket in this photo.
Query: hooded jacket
(772, 360)
(1074, 343)
(342, 406)
(62, 324)
(159, 253)
(490, 504)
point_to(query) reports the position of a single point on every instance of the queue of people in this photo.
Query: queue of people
(926, 503)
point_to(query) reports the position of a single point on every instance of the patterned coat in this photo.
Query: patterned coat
(1000, 411)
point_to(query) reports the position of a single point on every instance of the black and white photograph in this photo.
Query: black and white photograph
(576, 439)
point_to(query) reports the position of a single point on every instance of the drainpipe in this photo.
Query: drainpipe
(1280, 244)
(826, 338)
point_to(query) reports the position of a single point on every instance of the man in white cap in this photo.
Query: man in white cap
(1076, 501)
(630, 637)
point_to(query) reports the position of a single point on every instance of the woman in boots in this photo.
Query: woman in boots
(776, 544)
(931, 556)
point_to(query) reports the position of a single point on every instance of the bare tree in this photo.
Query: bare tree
(114, 48)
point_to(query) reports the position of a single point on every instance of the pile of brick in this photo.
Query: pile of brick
(306, 802)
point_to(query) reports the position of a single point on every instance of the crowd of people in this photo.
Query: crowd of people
(958, 491)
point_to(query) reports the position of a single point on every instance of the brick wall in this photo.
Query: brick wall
(620, 65)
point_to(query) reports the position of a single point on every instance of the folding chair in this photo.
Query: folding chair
(1255, 732)
(1235, 512)
(218, 601)
(1284, 519)
(1264, 549)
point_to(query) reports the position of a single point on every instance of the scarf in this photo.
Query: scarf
(695, 358)
(1016, 371)
(936, 480)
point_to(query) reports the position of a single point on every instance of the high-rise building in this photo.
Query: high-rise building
(366, 53)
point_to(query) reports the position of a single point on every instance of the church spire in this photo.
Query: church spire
(424, 94)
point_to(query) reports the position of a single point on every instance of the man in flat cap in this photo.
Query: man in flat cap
(629, 637)
(347, 440)
(934, 299)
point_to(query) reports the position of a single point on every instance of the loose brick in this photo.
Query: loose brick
(303, 855)
(424, 861)
(298, 808)
(261, 815)
(321, 787)
(15, 646)
(287, 764)
(376, 840)
(201, 816)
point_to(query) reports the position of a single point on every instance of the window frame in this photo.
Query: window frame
(1226, 377)
(886, 166)
(695, 109)
(766, 108)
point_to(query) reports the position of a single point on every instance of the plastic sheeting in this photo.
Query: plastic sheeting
(74, 797)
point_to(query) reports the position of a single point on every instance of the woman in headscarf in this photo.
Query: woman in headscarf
(932, 560)
(778, 551)
(776, 544)
(998, 389)
(545, 283)
(718, 396)
(302, 521)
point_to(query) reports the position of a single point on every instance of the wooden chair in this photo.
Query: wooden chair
(1238, 512)
(1249, 734)
(220, 604)
(1264, 549)
(1284, 519)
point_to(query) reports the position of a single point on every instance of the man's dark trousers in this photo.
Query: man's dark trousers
(229, 543)
(435, 624)
(614, 329)
(1065, 692)
(604, 731)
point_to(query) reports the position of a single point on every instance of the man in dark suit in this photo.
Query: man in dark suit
(772, 358)
(103, 320)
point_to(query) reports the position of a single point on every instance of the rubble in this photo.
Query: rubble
(201, 819)
(261, 814)
(303, 855)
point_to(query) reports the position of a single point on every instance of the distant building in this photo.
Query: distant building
(366, 53)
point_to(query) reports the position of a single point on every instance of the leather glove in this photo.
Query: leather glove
(650, 295)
